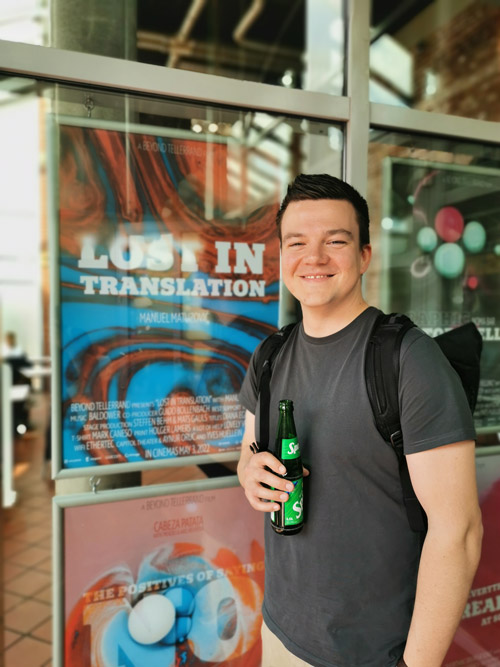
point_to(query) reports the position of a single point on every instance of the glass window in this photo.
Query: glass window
(164, 263)
(291, 43)
(435, 215)
(164, 273)
(437, 56)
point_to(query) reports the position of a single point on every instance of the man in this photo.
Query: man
(351, 588)
(10, 348)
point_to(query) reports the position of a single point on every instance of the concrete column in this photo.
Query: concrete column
(101, 27)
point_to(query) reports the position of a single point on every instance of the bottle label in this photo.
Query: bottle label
(294, 505)
(290, 448)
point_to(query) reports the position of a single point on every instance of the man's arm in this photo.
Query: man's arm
(444, 480)
(253, 474)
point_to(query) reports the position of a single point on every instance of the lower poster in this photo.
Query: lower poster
(477, 641)
(162, 581)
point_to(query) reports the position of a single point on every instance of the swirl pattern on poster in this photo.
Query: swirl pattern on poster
(169, 278)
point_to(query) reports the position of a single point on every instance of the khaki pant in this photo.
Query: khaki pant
(274, 653)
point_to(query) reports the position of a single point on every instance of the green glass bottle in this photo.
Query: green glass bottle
(289, 519)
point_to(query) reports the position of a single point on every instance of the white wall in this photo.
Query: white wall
(20, 215)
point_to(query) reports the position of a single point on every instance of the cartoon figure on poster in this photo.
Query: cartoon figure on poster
(212, 616)
(169, 279)
(187, 591)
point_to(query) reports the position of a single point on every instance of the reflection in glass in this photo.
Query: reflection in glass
(436, 230)
(165, 263)
(290, 43)
(437, 56)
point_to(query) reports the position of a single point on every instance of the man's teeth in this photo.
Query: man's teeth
(313, 277)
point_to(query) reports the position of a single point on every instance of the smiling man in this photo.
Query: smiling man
(322, 262)
(354, 587)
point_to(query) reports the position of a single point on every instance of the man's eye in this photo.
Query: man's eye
(337, 242)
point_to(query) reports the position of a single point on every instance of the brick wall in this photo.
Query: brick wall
(465, 56)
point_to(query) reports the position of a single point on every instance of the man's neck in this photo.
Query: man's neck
(320, 324)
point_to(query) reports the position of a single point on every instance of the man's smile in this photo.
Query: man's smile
(318, 276)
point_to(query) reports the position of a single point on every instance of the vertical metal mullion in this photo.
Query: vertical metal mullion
(357, 69)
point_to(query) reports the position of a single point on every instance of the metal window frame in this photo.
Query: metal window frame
(431, 123)
(357, 79)
(70, 67)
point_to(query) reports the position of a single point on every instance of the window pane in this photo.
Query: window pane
(437, 56)
(435, 213)
(179, 182)
(291, 43)
(165, 259)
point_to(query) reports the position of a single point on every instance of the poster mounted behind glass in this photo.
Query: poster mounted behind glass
(174, 578)
(440, 245)
(476, 641)
(168, 278)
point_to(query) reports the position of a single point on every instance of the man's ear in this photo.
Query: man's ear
(366, 255)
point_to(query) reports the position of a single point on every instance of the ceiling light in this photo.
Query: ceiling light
(287, 78)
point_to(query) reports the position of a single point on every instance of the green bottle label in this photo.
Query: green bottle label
(294, 505)
(290, 448)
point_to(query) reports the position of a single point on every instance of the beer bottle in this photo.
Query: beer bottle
(289, 519)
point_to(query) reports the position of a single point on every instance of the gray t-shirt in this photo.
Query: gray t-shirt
(341, 592)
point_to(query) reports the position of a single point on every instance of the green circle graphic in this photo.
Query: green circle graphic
(449, 260)
(474, 237)
(427, 239)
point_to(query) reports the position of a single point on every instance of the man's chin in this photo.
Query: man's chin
(317, 304)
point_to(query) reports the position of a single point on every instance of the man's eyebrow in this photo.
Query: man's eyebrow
(330, 232)
(293, 235)
(340, 230)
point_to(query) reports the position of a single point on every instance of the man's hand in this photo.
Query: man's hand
(261, 481)
(259, 473)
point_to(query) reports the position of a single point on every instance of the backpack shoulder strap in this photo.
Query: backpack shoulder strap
(382, 371)
(265, 357)
(382, 384)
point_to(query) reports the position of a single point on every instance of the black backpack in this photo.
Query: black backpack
(462, 347)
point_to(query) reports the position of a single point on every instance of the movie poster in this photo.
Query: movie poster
(441, 258)
(169, 278)
(166, 581)
(477, 641)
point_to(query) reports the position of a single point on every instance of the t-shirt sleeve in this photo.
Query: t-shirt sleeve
(249, 393)
(433, 405)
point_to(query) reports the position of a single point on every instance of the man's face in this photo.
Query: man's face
(322, 262)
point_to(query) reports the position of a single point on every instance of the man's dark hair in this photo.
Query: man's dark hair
(324, 186)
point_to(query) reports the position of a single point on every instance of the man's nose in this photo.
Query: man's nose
(317, 254)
